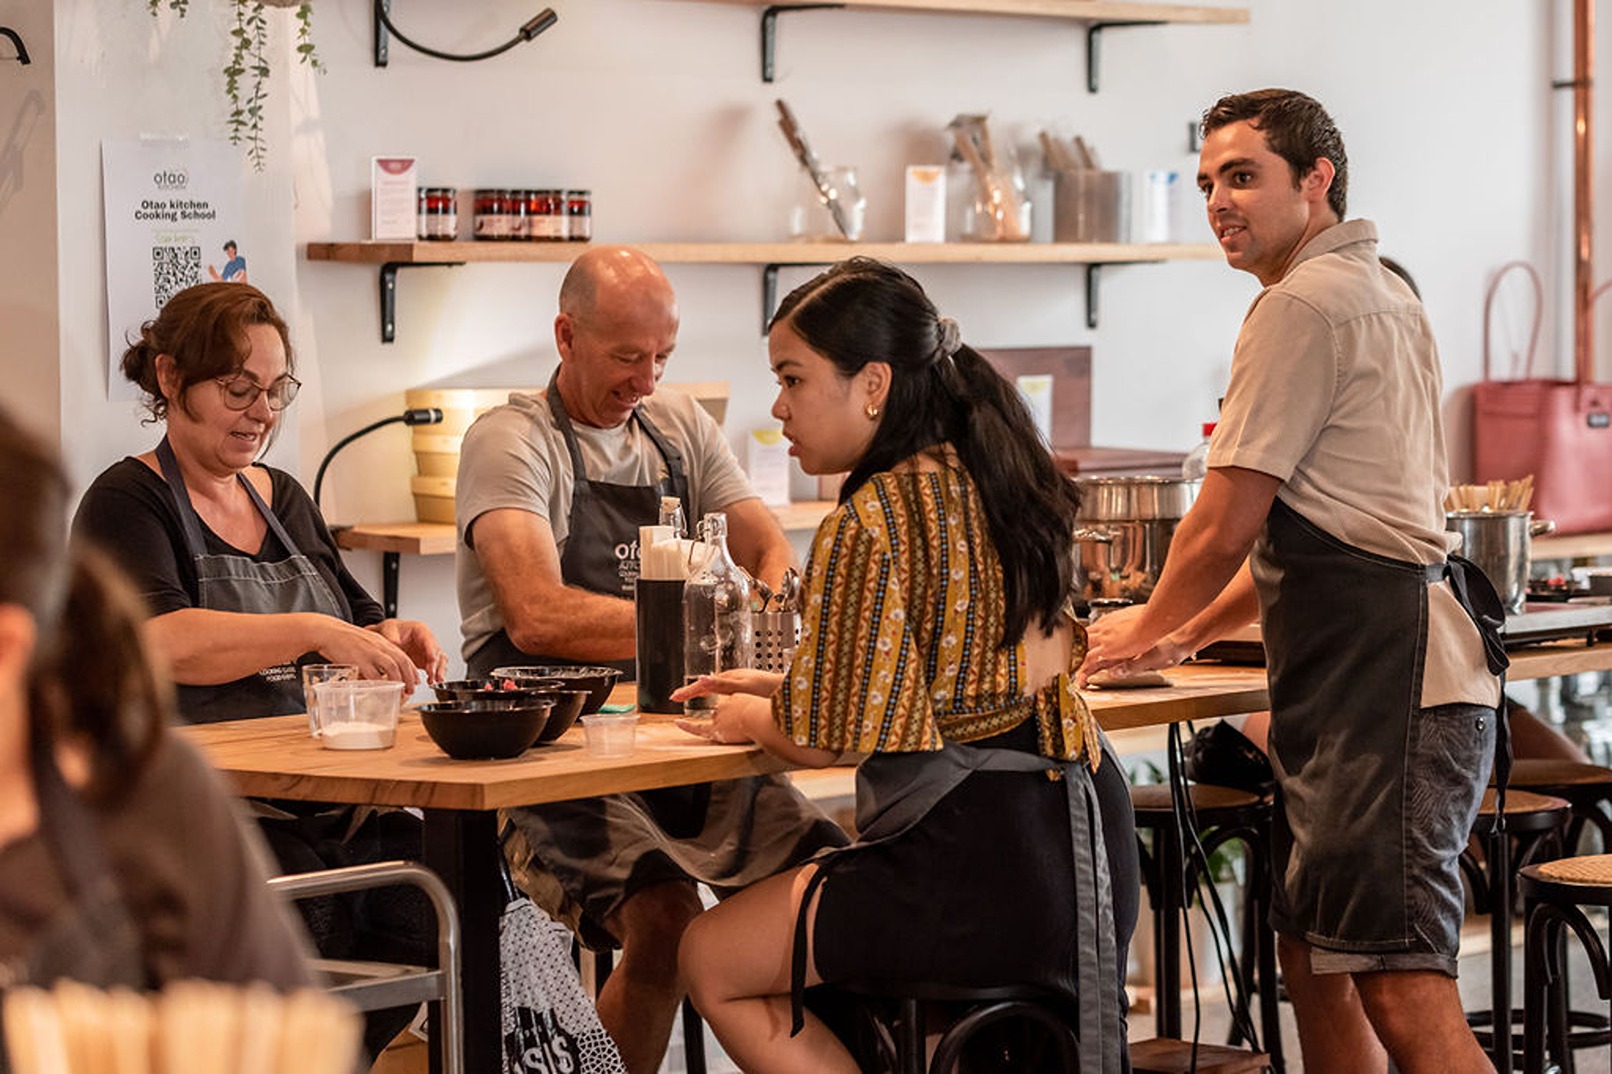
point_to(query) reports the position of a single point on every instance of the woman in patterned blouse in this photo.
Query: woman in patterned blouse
(937, 646)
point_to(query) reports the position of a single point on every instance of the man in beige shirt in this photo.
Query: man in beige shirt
(1322, 514)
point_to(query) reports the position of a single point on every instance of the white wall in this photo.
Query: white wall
(1458, 149)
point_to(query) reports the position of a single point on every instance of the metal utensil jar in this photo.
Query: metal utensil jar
(1124, 529)
(1499, 542)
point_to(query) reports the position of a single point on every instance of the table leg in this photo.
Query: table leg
(462, 847)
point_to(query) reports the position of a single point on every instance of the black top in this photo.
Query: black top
(130, 513)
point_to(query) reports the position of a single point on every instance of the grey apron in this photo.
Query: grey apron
(727, 835)
(1345, 634)
(239, 583)
(604, 520)
(894, 791)
(93, 939)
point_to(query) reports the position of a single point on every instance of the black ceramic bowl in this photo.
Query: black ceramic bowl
(568, 705)
(597, 681)
(478, 730)
(483, 690)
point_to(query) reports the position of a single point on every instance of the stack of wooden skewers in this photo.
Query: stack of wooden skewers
(1490, 497)
(192, 1027)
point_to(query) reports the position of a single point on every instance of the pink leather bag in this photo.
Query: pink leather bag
(1558, 430)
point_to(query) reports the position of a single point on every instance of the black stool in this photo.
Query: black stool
(1554, 896)
(1533, 821)
(1587, 787)
(1036, 1030)
(1224, 815)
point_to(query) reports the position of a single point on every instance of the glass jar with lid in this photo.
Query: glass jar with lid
(438, 213)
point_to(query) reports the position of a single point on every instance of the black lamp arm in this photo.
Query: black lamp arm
(416, 416)
(530, 29)
(16, 39)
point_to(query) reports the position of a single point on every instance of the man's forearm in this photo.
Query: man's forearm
(575, 624)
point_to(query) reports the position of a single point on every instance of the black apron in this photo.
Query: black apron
(93, 939)
(600, 547)
(239, 583)
(1345, 634)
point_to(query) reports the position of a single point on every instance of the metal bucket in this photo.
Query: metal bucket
(1125, 528)
(1499, 543)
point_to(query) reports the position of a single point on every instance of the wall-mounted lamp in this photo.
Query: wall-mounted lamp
(383, 26)
(417, 416)
(22, 50)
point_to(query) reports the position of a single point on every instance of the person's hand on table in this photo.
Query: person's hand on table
(371, 652)
(416, 639)
(732, 722)
(1115, 645)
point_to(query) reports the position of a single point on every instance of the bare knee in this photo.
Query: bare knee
(650, 924)
(697, 959)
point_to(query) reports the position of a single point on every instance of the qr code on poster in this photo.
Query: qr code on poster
(173, 268)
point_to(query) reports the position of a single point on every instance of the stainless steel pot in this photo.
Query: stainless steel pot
(1499, 543)
(1126, 524)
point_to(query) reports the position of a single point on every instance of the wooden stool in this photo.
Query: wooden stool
(1224, 815)
(1162, 1055)
(1045, 1040)
(1554, 896)
(1588, 787)
(1531, 820)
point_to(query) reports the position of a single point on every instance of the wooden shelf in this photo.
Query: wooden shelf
(1572, 546)
(1098, 15)
(770, 253)
(393, 256)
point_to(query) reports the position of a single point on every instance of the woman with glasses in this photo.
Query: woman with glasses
(237, 567)
(243, 582)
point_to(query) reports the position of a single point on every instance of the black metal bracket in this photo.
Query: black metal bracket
(22, 50)
(1093, 35)
(383, 39)
(1093, 274)
(769, 31)
(391, 569)
(769, 286)
(389, 292)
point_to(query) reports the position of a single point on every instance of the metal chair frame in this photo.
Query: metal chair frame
(373, 986)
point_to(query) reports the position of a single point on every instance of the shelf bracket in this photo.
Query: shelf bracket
(769, 31)
(1093, 36)
(769, 286)
(383, 39)
(1093, 274)
(389, 292)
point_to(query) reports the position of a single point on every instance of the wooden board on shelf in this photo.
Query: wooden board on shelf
(1078, 10)
(768, 253)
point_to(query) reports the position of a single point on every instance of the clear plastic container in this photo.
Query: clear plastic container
(717, 628)
(1196, 464)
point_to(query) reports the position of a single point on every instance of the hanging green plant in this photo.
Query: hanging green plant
(247, 70)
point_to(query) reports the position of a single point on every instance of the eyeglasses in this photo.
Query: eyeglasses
(241, 391)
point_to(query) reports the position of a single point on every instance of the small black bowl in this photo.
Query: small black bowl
(568, 705)
(481, 690)
(478, 730)
(598, 681)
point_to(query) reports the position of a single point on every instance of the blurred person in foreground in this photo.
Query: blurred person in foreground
(552, 488)
(1383, 650)
(243, 583)
(938, 644)
(123, 860)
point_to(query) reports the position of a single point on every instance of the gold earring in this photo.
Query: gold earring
(871, 411)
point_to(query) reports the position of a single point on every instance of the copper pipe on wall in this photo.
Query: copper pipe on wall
(1583, 190)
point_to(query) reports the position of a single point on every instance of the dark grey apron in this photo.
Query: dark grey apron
(1345, 634)
(604, 519)
(894, 791)
(93, 939)
(238, 583)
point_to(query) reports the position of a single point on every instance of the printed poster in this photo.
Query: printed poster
(174, 218)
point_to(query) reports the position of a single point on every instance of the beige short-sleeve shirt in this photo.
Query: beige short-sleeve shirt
(1335, 390)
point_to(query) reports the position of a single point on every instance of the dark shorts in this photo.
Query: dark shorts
(1366, 843)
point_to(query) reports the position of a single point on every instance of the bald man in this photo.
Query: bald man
(551, 491)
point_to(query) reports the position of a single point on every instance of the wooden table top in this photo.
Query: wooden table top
(275, 757)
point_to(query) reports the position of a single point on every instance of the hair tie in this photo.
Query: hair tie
(951, 337)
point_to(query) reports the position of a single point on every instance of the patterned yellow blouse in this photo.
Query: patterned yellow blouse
(901, 629)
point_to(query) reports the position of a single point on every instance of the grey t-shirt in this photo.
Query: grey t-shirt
(515, 457)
